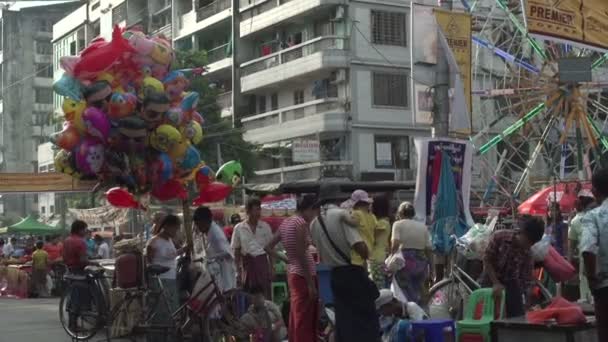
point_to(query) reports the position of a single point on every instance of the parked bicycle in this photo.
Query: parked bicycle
(448, 297)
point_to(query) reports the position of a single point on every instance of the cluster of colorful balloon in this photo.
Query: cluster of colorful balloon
(129, 119)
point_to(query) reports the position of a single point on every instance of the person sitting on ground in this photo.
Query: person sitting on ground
(263, 321)
(391, 312)
(508, 263)
(40, 262)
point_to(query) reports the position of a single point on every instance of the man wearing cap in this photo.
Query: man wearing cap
(584, 203)
(336, 237)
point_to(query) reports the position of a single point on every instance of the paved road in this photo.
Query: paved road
(30, 320)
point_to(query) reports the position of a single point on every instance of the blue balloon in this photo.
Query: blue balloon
(190, 101)
(68, 86)
(191, 159)
(166, 170)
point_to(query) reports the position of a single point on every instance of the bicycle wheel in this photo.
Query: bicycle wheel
(81, 320)
(446, 300)
(222, 321)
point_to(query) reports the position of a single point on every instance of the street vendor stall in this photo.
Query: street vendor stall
(30, 225)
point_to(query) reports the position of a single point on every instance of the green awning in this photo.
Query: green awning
(30, 225)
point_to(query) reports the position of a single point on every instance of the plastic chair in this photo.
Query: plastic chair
(433, 330)
(481, 327)
(279, 292)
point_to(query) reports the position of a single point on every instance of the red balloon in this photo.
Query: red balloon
(100, 55)
(169, 190)
(213, 192)
(121, 198)
(67, 139)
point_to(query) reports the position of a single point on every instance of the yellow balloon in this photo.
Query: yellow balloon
(178, 150)
(194, 132)
(64, 165)
(73, 110)
(151, 84)
(165, 137)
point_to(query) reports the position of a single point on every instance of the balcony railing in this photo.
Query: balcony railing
(310, 171)
(224, 100)
(217, 53)
(212, 9)
(291, 113)
(164, 30)
(292, 53)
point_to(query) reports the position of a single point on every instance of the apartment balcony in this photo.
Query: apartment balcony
(306, 172)
(137, 16)
(203, 17)
(267, 13)
(323, 115)
(43, 82)
(43, 59)
(43, 107)
(321, 53)
(164, 30)
(224, 101)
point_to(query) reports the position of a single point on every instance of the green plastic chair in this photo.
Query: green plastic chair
(481, 327)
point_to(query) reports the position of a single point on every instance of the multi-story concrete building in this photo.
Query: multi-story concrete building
(26, 99)
(332, 75)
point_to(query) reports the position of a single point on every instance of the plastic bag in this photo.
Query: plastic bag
(558, 267)
(540, 249)
(560, 310)
(474, 242)
(395, 262)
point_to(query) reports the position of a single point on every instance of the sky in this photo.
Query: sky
(16, 5)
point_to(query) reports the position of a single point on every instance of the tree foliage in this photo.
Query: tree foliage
(216, 130)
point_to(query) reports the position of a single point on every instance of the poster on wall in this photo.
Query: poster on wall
(423, 22)
(305, 150)
(424, 105)
(460, 154)
(384, 154)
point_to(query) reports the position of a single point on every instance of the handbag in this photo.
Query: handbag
(331, 242)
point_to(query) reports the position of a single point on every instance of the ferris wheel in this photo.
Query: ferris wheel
(531, 124)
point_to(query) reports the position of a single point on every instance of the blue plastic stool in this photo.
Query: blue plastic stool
(324, 278)
(434, 330)
(404, 333)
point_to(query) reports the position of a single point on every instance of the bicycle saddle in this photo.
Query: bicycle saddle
(156, 270)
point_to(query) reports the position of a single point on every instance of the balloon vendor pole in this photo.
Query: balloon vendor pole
(187, 222)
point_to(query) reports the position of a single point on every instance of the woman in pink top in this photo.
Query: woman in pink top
(294, 234)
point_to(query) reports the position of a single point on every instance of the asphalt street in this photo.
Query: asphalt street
(30, 320)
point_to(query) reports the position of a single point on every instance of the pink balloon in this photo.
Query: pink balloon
(96, 123)
(67, 63)
(121, 198)
(90, 156)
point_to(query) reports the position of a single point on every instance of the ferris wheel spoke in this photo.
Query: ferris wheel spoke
(534, 156)
(508, 57)
(600, 61)
(541, 53)
(519, 123)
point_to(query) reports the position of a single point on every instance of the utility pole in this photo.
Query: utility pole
(236, 72)
(218, 148)
(441, 98)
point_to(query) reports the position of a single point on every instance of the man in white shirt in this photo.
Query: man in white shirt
(354, 292)
(248, 242)
(9, 248)
(103, 249)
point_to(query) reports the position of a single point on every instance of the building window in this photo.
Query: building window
(388, 28)
(96, 28)
(44, 25)
(298, 97)
(274, 101)
(51, 209)
(42, 169)
(95, 6)
(389, 89)
(392, 152)
(44, 70)
(43, 95)
(261, 104)
(119, 13)
(43, 210)
(44, 48)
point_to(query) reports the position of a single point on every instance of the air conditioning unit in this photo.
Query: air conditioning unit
(338, 76)
(340, 11)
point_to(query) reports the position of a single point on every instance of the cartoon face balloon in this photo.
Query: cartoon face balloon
(194, 132)
(140, 43)
(155, 106)
(96, 123)
(191, 159)
(90, 157)
(64, 163)
(121, 105)
(73, 110)
(68, 138)
(165, 137)
(174, 116)
(162, 53)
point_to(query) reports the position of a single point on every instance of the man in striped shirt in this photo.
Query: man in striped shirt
(294, 235)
